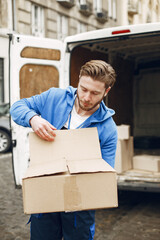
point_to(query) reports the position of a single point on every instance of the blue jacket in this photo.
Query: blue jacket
(55, 106)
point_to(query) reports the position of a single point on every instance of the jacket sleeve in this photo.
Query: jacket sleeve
(23, 110)
(109, 148)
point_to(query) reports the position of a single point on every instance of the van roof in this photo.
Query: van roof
(114, 31)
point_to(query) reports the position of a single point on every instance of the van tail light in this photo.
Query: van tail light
(121, 31)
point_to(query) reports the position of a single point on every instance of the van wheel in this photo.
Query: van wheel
(5, 141)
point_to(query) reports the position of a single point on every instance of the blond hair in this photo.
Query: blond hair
(100, 71)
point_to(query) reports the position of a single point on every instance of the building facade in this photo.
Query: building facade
(57, 18)
(60, 18)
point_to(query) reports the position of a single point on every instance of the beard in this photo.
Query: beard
(88, 106)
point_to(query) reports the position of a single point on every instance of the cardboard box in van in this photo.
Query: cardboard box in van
(147, 163)
(68, 174)
(124, 155)
(123, 132)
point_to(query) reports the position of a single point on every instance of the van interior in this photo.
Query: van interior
(135, 96)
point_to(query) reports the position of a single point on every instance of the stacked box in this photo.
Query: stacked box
(147, 163)
(124, 152)
(123, 132)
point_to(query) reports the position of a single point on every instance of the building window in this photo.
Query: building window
(38, 21)
(97, 5)
(62, 26)
(140, 7)
(81, 27)
(112, 9)
(1, 80)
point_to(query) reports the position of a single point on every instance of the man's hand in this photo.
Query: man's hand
(42, 128)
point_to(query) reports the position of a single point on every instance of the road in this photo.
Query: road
(136, 218)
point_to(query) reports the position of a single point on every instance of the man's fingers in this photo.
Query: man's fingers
(45, 135)
(40, 134)
(50, 130)
(46, 132)
(48, 136)
(43, 128)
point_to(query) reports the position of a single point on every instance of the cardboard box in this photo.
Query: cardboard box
(123, 132)
(124, 155)
(147, 163)
(68, 174)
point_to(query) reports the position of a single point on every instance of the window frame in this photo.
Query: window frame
(81, 27)
(38, 22)
(62, 26)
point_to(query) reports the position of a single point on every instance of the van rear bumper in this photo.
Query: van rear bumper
(139, 181)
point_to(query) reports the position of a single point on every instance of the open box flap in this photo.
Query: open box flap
(89, 166)
(74, 144)
(46, 169)
(79, 166)
(76, 151)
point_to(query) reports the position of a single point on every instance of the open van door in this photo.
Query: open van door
(36, 64)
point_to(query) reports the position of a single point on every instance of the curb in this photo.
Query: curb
(5, 155)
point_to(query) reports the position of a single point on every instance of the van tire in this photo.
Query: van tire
(5, 141)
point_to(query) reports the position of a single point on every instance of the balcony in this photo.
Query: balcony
(102, 16)
(132, 7)
(85, 7)
(67, 3)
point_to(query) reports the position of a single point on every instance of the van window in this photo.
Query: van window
(35, 79)
(41, 53)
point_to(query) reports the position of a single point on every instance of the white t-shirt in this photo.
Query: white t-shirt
(76, 120)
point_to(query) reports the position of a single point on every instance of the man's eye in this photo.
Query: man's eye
(84, 90)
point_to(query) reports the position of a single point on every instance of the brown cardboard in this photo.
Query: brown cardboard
(68, 174)
(124, 155)
(123, 131)
(147, 163)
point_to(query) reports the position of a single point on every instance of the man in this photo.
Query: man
(69, 109)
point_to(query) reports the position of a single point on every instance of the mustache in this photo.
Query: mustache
(85, 102)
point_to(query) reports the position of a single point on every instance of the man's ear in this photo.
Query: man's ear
(106, 91)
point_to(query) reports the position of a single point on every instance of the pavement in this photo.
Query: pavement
(136, 218)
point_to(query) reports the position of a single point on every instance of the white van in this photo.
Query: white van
(37, 64)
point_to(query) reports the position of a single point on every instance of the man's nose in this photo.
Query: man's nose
(87, 96)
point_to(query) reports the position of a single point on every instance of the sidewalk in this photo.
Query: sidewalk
(136, 218)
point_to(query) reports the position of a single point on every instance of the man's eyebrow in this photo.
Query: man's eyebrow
(94, 91)
(83, 87)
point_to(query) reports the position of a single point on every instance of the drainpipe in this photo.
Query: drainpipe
(14, 15)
